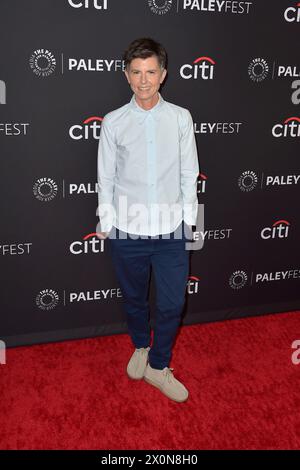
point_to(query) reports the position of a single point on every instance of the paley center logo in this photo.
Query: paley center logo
(89, 244)
(258, 70)
(45, 189)
(289, 128)
(42, 62)
(201, 68)
(217, 6)
(247, 181)
(89, 128)
(292, 14)
(97, 4)
(238, 279)
(47, 299)
(2, 92)
(160, 7)
(280, 229)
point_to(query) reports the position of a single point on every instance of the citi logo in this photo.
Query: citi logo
(89, 244)
(292, 14)
(201, 183)
(2, 92)
(193, 285)
(202, 67)
(97, 4)
(289, 128)
(279, 229)
(47, 299)
(90, 128)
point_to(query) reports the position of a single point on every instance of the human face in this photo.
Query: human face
(145, 77)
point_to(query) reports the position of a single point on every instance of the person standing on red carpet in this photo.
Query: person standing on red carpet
(147, 178)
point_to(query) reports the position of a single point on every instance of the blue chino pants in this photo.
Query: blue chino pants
(169, 259)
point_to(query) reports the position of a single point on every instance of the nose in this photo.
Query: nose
(143, 78)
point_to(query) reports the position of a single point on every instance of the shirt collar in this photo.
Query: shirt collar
(144, 113)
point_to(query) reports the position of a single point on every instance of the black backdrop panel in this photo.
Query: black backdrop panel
(61, 72)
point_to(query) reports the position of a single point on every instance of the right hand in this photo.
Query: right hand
(102, 235)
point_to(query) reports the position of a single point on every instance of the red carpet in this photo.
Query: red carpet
(244, 392)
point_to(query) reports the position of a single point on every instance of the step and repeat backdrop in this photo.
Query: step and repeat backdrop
(235, 66)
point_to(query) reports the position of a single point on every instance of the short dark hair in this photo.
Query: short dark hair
(143, 48)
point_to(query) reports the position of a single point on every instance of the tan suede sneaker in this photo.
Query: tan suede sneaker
(166, 382)
(137, 364)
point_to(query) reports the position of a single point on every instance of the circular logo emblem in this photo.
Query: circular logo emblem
(258, 69)
(238, 279)
(47, 299)
(247, 181)
(45, 189)
(42, 62)
(160, 7)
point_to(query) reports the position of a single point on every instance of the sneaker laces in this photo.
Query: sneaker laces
(168, 372)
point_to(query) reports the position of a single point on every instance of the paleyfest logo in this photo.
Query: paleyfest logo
(42, 62)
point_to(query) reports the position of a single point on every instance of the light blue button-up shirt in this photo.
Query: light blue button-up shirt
(147, 169)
